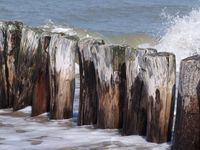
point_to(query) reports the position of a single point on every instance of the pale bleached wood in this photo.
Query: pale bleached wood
(62, 75)
(159, 81)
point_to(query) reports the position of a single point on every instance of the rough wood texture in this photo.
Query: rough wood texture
(110, 79)
(102, 70)
(187, 126)
(41, 91)
(88, 93)
(135, 111)
(159, 75)
(62, 75)
(25, 67)
(10, 36)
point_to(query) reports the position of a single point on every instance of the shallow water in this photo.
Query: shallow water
(20, 131)
(109, 17)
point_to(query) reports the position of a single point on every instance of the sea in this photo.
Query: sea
(167, 25)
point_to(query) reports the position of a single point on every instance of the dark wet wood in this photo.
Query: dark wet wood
(41, 91)
(10, 37)
(187, 125)
(88, 103)
(25, 67)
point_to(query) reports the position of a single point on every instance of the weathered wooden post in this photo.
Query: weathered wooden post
(159, 79)
(41, 90)
(135, 107)
(10, 37)
(110, 79)
(25, 67)
(102, 75)
(62, 75)
(187, 125)
(3, 80)
(88, 104)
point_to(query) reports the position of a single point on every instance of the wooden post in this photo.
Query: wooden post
(25, 67)
(10, 37)
(3, 80)
(187, 126)
(41, 91)
(88, 104)
(62, 75)
(135, 111)
(102, 72)
(160, 76)
(110, 79)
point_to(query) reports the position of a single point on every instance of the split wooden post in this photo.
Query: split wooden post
(25, 67)
(159, 79)
(110, 79)
(135, 107)
(88, 104)
(10, 37)
(102, 72)
(41, 91)
(187, 125)
(62, 75)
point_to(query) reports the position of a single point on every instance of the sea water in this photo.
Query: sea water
(167, 25)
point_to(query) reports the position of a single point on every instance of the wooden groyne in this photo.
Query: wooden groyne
(38, 69)
(120, 87)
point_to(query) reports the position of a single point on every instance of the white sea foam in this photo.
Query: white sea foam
(63, 30)
(26, 110)
(183, 36)
(76, 69)
(72, 31)
(28, 133)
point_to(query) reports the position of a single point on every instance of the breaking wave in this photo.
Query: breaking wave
(183, 35)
